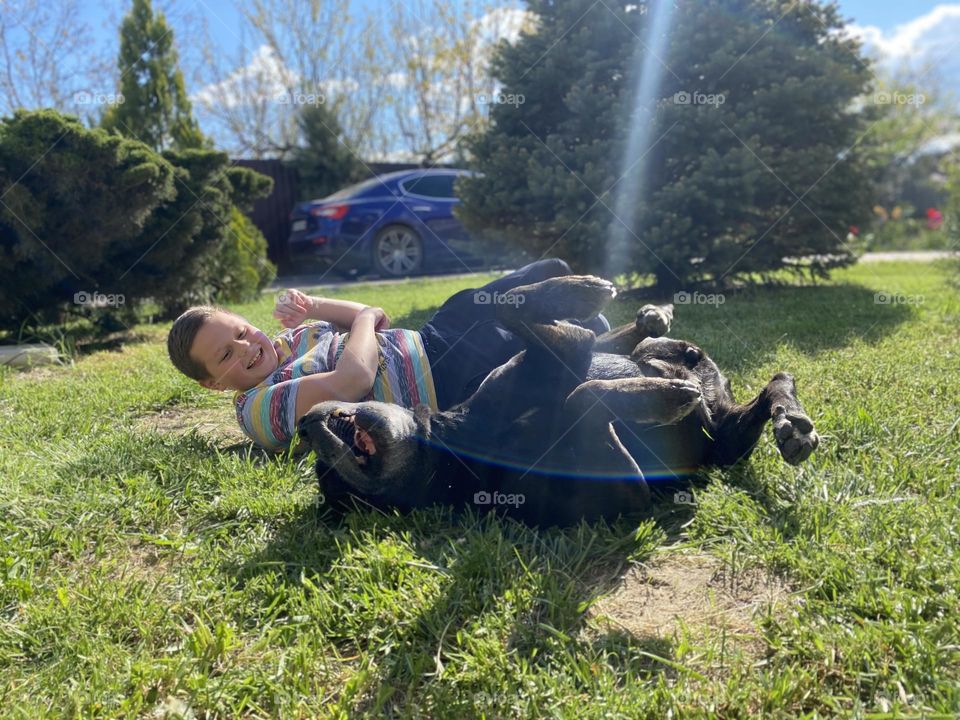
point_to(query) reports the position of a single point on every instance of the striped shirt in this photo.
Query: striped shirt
(267, 412)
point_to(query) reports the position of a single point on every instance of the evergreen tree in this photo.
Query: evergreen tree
(750, 153)
(155, 107)
(325, 164)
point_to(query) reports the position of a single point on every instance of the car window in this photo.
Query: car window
(374, 183)
(438, 186)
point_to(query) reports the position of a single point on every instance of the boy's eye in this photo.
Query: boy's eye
(227, 353)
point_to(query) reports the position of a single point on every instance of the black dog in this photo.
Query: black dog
(566, 429)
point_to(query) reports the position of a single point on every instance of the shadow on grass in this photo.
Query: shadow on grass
(79, 339)
(542, 579)
(414, 320)
(113, 342)
(743, 331)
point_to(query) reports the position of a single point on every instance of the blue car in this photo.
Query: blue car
(396, 224)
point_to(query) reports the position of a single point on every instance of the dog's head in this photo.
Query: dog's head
(375, 448)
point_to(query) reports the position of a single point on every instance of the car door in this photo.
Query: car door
(429, 198)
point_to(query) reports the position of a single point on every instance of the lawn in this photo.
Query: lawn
(151, 565)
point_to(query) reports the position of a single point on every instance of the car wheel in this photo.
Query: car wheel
(397, 251)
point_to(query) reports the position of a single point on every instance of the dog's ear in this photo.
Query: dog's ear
(422, 415)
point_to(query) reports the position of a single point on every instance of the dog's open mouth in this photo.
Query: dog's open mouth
(344, 426)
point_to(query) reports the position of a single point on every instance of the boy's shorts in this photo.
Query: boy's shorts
(464, 341)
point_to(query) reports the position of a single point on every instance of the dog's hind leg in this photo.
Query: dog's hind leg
(652, 321)
(736, 430)
(538, 314)
(646, 400)
(570, 297)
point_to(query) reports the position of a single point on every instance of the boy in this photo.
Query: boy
(278, 381)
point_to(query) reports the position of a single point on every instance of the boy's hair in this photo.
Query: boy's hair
(182, 335)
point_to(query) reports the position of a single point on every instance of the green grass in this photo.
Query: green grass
(144, 572)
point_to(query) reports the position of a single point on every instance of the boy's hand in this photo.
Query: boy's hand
(380, 319)
(292, 307)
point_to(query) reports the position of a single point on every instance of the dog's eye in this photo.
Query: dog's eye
(692, 356)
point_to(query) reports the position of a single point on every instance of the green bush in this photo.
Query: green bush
(91, 216)
(907, 234)
(196, 259)
(70, 198)
(951, 216)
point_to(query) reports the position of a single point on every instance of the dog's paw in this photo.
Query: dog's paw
(795, 435)
(654, 320)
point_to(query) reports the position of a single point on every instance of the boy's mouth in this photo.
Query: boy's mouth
(257, 359)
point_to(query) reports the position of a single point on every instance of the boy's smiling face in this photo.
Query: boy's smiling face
(237, 355)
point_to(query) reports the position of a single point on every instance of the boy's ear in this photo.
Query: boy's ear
(211, 384)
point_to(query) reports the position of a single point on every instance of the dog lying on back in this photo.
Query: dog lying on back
(569, 428)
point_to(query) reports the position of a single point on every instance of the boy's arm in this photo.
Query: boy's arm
(293, 307)
(356, 369)
(341, 313)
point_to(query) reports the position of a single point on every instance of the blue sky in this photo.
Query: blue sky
(224, 23)
(885, 14)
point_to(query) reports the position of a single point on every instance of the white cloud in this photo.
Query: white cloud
(396, 80)
(930, 38)
(939, 145)
(264, 77)
(504, 23)
(395, 156)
